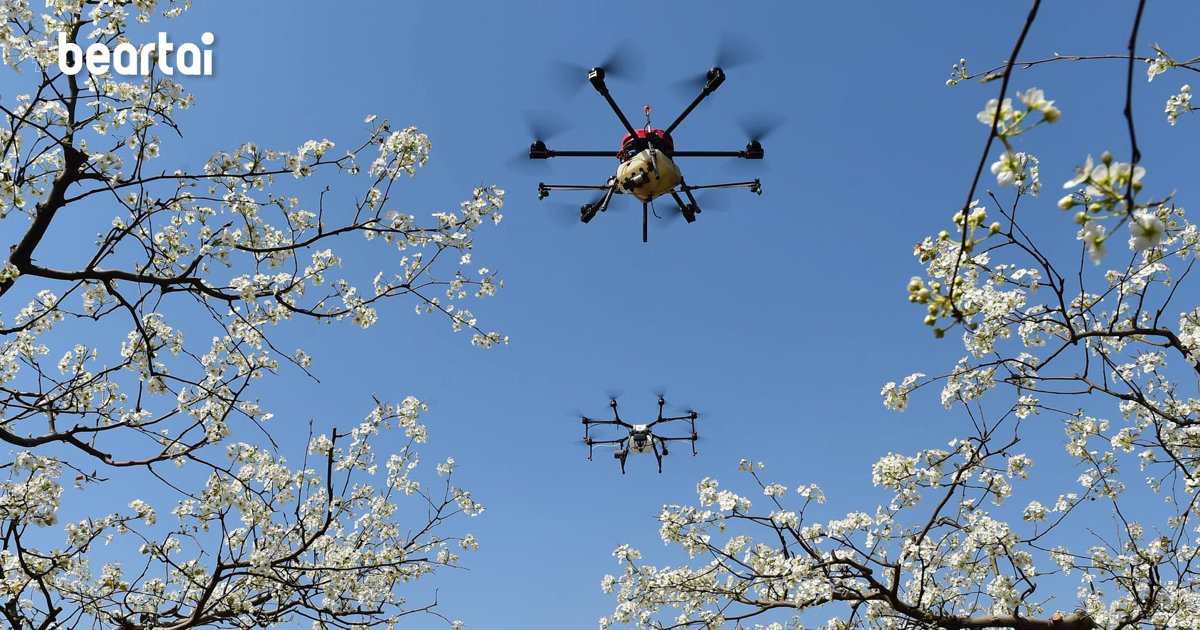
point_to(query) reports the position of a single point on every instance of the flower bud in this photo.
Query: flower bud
(930, 320)
(914, 285)
(1066, 203)
(943, 235)
(1106, 157)
(939, 332)
(1081, 217)
(1051, 114)
(994, 228)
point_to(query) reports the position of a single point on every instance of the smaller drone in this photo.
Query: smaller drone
(641, 438)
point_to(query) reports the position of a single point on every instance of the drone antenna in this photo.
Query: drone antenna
(647, 109)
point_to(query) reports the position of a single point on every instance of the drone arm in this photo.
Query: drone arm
(751, 152)
(691, 438)
(549, 153)
(754, 186)
(687, 438)
(715, 78)
(592, 444)
(588, 422)
(596, 77)
(661, 420)
(549, 187)
(603, 442)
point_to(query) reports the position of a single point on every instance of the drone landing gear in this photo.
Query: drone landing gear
(588, 211)
(689, 210)
(645, 223)
(621, 454)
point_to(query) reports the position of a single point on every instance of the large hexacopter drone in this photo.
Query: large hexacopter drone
(647, 170)
(641, 439)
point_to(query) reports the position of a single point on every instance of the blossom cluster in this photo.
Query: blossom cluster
(111, 381)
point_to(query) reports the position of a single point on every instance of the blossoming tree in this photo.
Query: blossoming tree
(101, 392)
(959, 541)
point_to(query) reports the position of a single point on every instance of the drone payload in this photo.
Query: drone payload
(648, 169)
(649, 173)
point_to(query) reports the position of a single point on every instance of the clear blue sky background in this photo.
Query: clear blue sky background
(778, 317)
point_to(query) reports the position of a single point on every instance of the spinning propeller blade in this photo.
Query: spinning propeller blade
(545, 125)
(736, 50)
(541, 127)
(620, 63)
(732, 51)
(758, 126)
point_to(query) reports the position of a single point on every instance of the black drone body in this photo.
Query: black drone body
(641, 439)
(648, 170)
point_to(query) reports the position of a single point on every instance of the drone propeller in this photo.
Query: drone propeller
(736, 50)
(564, 216)
(618, 64)
(613, 394)
(541, 127)
(732, 51)
(545, 125)
(758, 126)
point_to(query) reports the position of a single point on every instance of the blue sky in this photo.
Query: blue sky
(778, 317)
